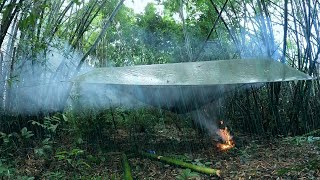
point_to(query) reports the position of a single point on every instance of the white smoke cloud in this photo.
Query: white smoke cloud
(39, 84)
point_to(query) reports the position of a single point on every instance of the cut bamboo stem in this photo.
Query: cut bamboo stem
(126, 168)
(176, 162)
(312, 133)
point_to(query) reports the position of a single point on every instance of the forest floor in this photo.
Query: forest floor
(288, 158)
(252, 158)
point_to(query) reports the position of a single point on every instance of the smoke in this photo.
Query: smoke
(38, 84)
(100, 96)
(179, 99)
(41, 83)
(209, 116)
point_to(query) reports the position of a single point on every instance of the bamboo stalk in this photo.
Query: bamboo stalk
(126, 168)
(176, 162)
(312, 133)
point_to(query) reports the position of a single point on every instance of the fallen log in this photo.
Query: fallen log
(126, 168)
(200, 169)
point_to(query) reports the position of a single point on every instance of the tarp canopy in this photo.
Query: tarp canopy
(186, 86)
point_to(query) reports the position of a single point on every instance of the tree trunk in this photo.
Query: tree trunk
(92, 48)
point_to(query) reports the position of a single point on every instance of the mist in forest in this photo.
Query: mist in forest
(44, 87)
(39, 84)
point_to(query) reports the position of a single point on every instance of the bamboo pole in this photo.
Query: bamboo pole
(126, 168)
(312, 133)
(176, 162)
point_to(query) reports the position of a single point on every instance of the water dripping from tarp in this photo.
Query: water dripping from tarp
(182, 87)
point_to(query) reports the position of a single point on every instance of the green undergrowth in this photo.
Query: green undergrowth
(88, 145)
(76, 145)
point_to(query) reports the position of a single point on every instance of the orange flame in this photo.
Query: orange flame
(227, 139)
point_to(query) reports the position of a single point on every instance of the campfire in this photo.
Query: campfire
(228, 143)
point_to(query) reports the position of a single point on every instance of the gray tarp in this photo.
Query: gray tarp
(186, 86)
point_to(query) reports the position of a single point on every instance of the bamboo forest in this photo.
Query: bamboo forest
(159, 89)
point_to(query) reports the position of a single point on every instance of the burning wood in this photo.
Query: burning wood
(228, 143)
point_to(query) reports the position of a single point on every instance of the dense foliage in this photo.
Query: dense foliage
(44, 43)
